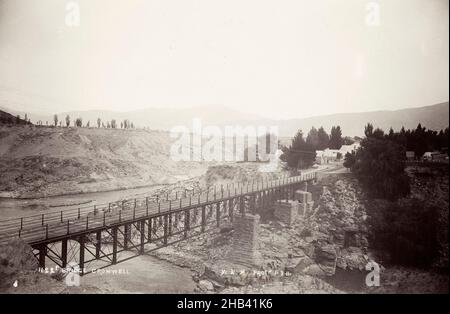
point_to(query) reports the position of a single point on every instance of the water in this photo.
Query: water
(11, 207)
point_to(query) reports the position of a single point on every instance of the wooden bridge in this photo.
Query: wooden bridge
(101, 236)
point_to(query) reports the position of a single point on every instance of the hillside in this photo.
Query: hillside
(433, 117)
(7, 118)
(44, 161)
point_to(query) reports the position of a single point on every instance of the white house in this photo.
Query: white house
(327, 155)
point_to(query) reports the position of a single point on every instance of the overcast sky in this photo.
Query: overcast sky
(281, 59)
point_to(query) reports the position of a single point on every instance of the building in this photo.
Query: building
(429, 156)
(329, 155)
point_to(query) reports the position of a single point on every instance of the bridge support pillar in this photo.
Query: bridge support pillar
(245, 240)
(305, 202)
(166, 223)
(42, 255)
(142, 233)
(230, 210)
(203, 218)
(114, 254)
(286, 211)
(64, 253)
(218, 214)
(149, 230)
(126, 235)
(98, 244)
(187, 222)
(81, 261)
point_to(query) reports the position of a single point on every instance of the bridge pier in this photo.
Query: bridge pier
(42, 255)
(81, 241)
(126, 235)
(305, 201)
(142, 231)
(114, 254)
(98, 244)
(245, 240)
(286, 211)
(64, 253)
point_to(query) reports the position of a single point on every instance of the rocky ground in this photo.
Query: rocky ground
(301, 258)
(325, 251)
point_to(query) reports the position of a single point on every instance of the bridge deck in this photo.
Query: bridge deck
(48, 227)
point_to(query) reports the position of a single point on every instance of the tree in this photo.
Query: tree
(380, 166)
(18, 119)
(79, 122)
(406, 232)
(323, 139)
(55, 119)
(88, 123)
(368, 130)
(335, 138)
(67, 120)
(300, 154)
(313, 138)
(348, 141)
(113, 123)
(121, 124)
(99, 121)
(349, 159)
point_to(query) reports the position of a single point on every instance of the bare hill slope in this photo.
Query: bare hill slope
(44, 161)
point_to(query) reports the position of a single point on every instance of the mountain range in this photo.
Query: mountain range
(433, 117)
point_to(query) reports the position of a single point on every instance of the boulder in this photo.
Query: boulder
(297, 265)
(314, 270)
(326, 256)
(205, 285)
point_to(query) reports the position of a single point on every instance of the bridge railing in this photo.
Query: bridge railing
(86, 217)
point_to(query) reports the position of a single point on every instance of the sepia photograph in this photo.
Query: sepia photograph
(235, 150)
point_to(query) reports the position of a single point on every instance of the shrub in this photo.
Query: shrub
(405, 230)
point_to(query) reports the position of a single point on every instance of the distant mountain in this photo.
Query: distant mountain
(434, 117)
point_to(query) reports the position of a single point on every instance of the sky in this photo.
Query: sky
(274, 58)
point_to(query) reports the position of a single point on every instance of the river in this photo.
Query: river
(12, 207)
